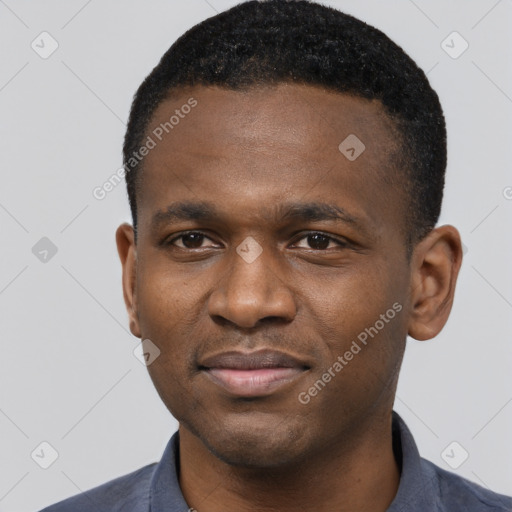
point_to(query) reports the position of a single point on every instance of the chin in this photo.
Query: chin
(254, 444)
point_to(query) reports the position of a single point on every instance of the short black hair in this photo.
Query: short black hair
(261, 43)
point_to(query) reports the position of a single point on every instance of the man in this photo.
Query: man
(285, 169)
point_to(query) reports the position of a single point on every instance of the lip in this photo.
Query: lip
(252, 374)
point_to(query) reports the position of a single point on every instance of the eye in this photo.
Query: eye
(191, 240)
(319, 242)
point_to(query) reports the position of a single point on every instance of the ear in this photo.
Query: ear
(435, 265)
(127, 249)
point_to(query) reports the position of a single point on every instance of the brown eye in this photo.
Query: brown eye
(318, 241)
(192, 240)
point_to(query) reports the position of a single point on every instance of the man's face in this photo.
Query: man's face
(273, 241)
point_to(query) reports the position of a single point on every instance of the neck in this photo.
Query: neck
(359, 473)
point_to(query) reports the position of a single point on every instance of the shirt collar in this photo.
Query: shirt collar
(416, 491)
(165, 492)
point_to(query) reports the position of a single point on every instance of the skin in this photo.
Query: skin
(250, 154)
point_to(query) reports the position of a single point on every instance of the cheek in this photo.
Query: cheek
(361, 320)
(165, 299)
(360, 362)
(166, 315)
(351, 300)
(169, 315)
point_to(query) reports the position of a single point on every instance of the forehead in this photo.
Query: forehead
(309, 115)
(265, 144)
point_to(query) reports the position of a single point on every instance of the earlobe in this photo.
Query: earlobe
(127, 251)
(435, 266)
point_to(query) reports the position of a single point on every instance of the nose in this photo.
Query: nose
(252, 292)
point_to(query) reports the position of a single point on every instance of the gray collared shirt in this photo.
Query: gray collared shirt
(424, 487)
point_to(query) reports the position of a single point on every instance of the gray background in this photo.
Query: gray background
(68, 373)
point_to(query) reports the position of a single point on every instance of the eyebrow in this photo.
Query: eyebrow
(314, 212)
(183, 211)
(307, 212)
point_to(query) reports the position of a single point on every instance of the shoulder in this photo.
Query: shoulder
(457, 493)
(128, 493)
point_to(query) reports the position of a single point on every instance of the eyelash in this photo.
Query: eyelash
(339, 242)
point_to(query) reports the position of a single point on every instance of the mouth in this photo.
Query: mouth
(252, 374)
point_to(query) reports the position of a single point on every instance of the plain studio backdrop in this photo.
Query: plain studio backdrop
(73, 396)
